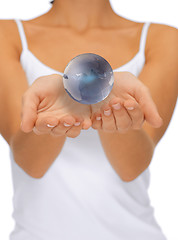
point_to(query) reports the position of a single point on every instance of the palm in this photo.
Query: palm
(58, 104)
(128, 88)
(120, 90)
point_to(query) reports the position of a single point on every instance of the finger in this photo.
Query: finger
(74, 131)
(87, 123)
(135, 113)
(108, 120)
(97, 121)
(122, 118)
(143, 97)
(45, 125)
(30, 102)
(36, 131)
(65, 124)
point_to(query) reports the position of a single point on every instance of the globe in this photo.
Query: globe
(88, 78)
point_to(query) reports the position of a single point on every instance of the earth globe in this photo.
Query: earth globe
(88, 78)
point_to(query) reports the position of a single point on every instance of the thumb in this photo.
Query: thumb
(30, 102)
(143, 96)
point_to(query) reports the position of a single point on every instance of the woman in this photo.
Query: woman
(76, 177)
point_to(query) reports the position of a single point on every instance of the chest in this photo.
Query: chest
(56, 47)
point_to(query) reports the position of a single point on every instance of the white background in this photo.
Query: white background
(164, 165)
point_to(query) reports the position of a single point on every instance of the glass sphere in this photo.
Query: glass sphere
(88, 78)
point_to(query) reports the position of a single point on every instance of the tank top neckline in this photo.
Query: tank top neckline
(25, 49)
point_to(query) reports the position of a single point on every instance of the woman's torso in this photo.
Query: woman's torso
(81, 196)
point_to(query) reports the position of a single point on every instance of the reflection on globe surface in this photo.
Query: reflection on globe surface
(88, 78)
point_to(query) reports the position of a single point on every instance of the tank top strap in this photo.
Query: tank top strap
(144, 36)
(21, 33)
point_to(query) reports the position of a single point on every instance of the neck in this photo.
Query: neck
(82, 15)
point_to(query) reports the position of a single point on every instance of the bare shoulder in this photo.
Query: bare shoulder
(161, 48)
(163, 28)
(7, 27)
(9, 35)
(6, 23)
(161, 36)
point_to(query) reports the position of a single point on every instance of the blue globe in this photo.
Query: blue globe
(88, 78)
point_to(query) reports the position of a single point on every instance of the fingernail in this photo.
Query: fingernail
(48, 125)
(98, 118)
(67, 125)
(77, 123)
(130, 108)
(116, 106)
(107, 112)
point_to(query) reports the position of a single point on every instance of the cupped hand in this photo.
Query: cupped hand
(48, 109)
(127, 106)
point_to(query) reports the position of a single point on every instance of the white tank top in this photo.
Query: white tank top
(81, 197)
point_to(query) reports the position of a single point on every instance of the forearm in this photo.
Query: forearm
(35, 153)
(129, 153)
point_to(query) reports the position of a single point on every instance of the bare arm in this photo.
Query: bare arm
(130, 153)
(33, 153)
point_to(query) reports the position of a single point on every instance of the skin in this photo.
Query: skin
(88, 27)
